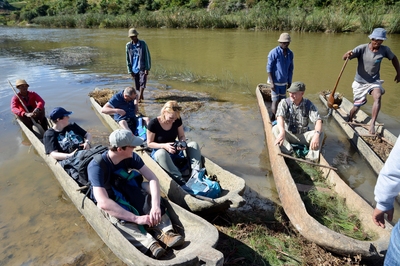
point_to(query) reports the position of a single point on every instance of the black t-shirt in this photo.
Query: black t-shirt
(65, 141)
(161, 135)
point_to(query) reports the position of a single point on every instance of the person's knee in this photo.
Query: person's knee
(161, 155)
(194, 145)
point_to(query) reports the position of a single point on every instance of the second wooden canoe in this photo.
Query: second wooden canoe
(295, 209)
(232, 185)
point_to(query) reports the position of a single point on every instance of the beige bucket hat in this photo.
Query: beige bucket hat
(133, 32)
(285, 37)
(20, 82)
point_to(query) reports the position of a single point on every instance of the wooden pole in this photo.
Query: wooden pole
(305, 161)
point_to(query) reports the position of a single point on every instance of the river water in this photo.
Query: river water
(40, 226)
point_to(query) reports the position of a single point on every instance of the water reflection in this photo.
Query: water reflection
(229, 64)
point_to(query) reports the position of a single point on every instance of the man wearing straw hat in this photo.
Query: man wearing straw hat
(280, 71)
(367, 79)
(32, 101)
(138, 61)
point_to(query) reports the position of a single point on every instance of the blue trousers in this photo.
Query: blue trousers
(392, 257)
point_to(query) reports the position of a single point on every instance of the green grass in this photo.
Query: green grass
(328, 208)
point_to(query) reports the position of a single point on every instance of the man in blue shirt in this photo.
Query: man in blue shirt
(123, 105)
(280, 71)
(138, 61)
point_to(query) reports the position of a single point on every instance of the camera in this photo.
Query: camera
(293, 129)
(180, 144)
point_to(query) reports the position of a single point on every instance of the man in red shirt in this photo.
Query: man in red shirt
(32, 101)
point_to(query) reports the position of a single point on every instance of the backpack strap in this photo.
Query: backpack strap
(99, 159)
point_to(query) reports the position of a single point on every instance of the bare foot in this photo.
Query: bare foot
(372, 129)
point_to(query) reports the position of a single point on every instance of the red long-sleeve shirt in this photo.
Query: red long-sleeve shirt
(34, 101)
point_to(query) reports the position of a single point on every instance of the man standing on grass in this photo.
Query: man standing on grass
(138, 61)
(367, 79)
(280, 71)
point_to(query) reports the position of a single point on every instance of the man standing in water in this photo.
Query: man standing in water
(280, 71)
(138, 61)
(367, 79)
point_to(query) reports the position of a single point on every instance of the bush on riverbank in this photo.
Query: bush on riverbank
(307, 15)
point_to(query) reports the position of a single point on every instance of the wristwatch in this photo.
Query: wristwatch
(318, 132)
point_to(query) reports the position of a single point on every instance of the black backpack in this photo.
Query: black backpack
(84, 159)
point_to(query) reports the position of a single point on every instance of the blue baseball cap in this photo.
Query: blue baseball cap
(58, 113)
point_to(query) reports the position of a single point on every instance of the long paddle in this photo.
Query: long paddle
(37, 128)
(331, 99)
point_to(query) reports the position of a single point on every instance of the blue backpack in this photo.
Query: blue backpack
(200, 184)
(140, 129)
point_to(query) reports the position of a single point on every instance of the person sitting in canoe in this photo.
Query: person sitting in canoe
(162, 133)
(32, 101)
(293, 116)
(64, 139)
(130, 205)
(123, 105)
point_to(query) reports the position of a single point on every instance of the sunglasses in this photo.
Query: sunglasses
(176, 108)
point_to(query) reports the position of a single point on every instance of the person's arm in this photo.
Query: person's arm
(110, 110)
(347, 54)
(395, 63)
(39, 102)
(281, 125)
(314, 143)
(16, 106)
(155, 145)
(154, 190)
(271, 64)
(88, 141)
(128, 59)
(62, 155)
(112, 208)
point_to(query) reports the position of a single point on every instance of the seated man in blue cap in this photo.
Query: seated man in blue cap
(293, 117)
(63, 139)
(123, 105)
(367, 79)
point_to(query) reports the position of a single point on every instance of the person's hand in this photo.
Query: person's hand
(143, 219)
(378, 217)
(28, 114)
(121, 112)
(146, 72)
(272, 87)
(155, 215)
(280, 138)
(169, 147)
(397, 78)
(133, 75)
(348, 54)
(85, 145)
(314, 144)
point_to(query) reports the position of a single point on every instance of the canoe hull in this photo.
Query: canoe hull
(197, 247)
(298, 215)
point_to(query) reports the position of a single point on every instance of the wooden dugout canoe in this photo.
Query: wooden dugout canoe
(354, 132)
(294, 207)
(200, 235)
(232, 185)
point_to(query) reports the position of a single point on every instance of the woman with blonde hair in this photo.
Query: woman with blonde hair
(165, 135)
